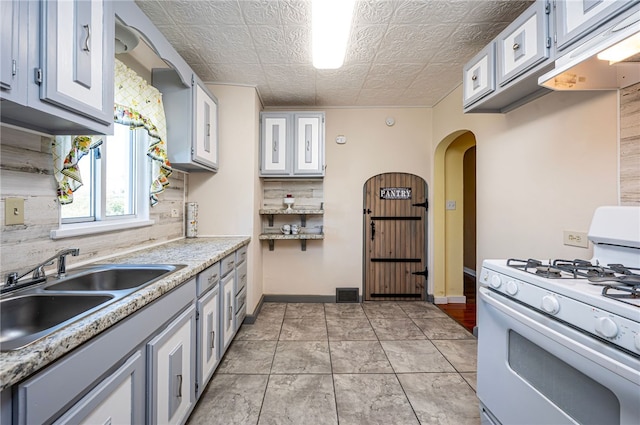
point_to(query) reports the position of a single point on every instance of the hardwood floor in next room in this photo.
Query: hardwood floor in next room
(464, 314)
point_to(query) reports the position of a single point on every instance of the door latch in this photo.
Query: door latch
(373, 230)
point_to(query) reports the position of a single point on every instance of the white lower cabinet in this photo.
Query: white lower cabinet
(118, 399)
(227, 314)
(208, 344)
(171, 372)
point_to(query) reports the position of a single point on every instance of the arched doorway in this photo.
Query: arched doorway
(454, 217)
(395, 237)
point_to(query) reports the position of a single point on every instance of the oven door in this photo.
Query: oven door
(533, 369)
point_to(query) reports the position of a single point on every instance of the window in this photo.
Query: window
(115, 190)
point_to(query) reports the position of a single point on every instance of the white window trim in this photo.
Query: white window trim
(143, 180)
(81, 229)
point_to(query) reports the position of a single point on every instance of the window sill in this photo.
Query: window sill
(81, 229)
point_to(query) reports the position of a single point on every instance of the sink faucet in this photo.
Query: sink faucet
(38, 271)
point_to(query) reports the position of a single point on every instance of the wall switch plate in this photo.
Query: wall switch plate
(175, 213)
(451, 205)
(578, 239)
(13, 211)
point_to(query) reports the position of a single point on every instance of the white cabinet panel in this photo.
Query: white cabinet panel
(77, 63)
(206, 123)
(118, 399)
(11, 66)
(523, 44)
(479, 75)
(171, 371)
(227, 314)
(308, 148)
(208, 337)
(292, 144)
(576, 18)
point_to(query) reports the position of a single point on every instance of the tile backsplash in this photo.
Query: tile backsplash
(26, 171)
(630, 145)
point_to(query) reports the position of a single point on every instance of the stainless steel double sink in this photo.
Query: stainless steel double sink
(31, 313)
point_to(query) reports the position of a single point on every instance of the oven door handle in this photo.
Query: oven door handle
(591, 354)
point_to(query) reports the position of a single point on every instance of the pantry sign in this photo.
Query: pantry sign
(395, 193)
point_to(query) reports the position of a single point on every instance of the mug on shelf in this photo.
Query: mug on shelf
(295, 229)
(286, 229)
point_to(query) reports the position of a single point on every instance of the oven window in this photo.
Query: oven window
(576, 394)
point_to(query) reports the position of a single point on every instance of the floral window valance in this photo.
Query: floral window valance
(136, 104)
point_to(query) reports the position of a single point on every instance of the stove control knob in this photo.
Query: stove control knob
(496, 281)
(606, 327)
(550, 304)
(512, 287)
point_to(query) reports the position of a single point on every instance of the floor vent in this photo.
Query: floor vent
(347, 295)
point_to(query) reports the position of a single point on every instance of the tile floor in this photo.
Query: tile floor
(349, 364)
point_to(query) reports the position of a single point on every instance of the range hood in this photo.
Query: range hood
(580, 69)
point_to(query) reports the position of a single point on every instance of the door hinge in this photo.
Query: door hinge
(195, 388)
(197, 315)
(548, 42)
(14, 68)
(366, 211)
(193, 81)
(424, 204)
(38, 75)
(547, 8)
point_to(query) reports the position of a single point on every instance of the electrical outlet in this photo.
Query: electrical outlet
(578, 239)
(13, 211)
(451, 205)
(175, 213)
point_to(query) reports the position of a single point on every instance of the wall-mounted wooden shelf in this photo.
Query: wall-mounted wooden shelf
(302, 237)
(301, 212)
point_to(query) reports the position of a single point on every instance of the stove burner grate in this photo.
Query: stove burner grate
(628, 293)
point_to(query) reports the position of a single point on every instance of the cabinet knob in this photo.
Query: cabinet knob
(516, 46)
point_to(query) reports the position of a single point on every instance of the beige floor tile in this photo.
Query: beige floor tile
(461, 353)
(441, 398)
(350, 330)
(396, 329)
(251, 357)
(358, 357)
(443, 328)
(303, 330)
(302, 357)
(415, 356)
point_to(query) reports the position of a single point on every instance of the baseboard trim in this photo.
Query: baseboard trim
(299, 298)
(457, 300)
(250, 319)
(470, 272)
(440, 300)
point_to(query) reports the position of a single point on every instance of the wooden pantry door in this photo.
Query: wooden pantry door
(395, 228)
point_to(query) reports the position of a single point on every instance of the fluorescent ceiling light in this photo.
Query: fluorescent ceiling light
(622, 50)
(330, 28)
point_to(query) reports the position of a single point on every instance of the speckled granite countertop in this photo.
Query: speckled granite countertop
(197, 254)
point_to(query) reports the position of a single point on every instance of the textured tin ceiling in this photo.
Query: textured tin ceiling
(401, 53)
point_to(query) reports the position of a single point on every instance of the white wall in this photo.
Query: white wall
(372, 148)
(228, 201)
(541, 169)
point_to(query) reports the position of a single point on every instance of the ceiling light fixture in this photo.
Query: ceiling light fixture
(330, 28)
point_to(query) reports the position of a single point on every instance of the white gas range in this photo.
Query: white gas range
(559, 340)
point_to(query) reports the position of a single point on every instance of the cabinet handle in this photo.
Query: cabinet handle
(275, 145)
(212, 278)
(230, 313)
(208, 130)
(213, 339)
(86, 40)
(179, 395)
(516, 46)
(308, 145)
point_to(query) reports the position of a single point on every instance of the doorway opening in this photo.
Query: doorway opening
(395, 238)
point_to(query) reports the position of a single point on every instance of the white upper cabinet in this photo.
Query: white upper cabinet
(292, 144)
(576, 18)
(479, 75)
(192, 121)
(77, 65)
(57, 65)
(523, 44)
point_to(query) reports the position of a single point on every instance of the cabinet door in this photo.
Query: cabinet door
(523, 44)
(309, 144)
(208, 337)
(206, 128)
(576, 18)
(479, 76)
(227, 313)
(9, 59)
(76, 57)
(275, 145)
(171, 371)
(118, 399)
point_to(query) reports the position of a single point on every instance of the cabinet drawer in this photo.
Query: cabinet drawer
(523, 44)
(241, 277)
(228, 264)
(208, 278)
(479, 76)
(241, 255)
(241, 310)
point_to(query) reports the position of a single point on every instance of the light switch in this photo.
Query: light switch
(451, 205)
(13, 211)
